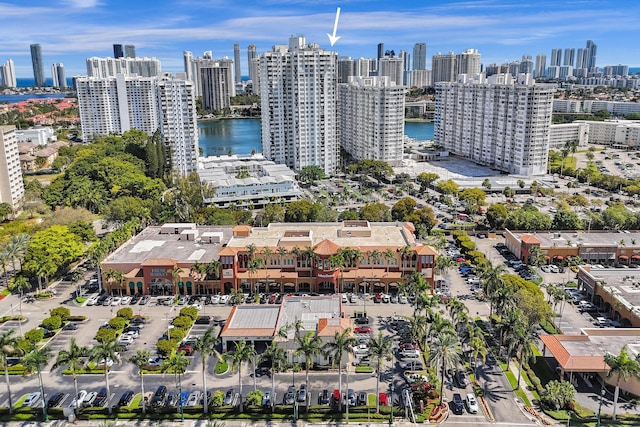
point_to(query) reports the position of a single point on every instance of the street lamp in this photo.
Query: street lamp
(602, 392)
(392, 388)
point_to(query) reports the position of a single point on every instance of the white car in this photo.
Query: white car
(125, 300)
(116, 301)
(403, 299)
(386, 298)
(89, 399)
(109, 362)
(215, 299)
(472, 403)
(224, 299)
(126, 339)
(78, 400)
(361, 349)
(197, 306)
(92, 301)
(31, 399)
(132, 334)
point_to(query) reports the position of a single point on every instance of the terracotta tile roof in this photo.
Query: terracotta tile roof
(530, 240)
(150, 262)
(426, 250)
(569, 362)
(329, 327)
(242, 228)
(326, 247)
(227, 251)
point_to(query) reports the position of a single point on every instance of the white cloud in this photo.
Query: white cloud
(82, 4)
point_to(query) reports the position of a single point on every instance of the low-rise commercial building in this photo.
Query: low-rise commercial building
(324, 258)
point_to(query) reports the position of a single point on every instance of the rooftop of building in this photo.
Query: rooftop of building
(574, 239)
(585, 352)
(181, 242)
(624, 283)
(363, 235)
(265, 320)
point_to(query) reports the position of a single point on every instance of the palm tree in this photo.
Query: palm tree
(388, 256)
(34, 361)
(212, 269)
(622, 367)
(337, 261)
(243, 353)
(343, 342)
(492, 278)
(141, 360)
(176, 364)
(175, 278)
(478, 346)
(267, 253)
(16, 248)
(379, 350)
(19, 283)
(206, 346)
(443, 264)
(73, 358)
(278, 357)
(105, 351)
(444, 352)
(282, 252)
(8, 347)
(457, 311)
(309, 345)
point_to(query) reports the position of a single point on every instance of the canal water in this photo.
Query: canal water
(242, 136)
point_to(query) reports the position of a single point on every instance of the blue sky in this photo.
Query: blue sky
(502, 30)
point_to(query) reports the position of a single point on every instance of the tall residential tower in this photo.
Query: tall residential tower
(38, 66)
(298, 96)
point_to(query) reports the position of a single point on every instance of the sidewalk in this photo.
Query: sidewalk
(537, 409)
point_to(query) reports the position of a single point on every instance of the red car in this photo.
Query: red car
(362, 330)
(186, 349)
(336, 396)
(382, 399)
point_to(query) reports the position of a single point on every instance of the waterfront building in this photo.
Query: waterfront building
(187, 58)
(616, 70)
(420, 56)
(363, 67)
(251, 57)
(8, 74)
(590, 56)
(58, 75)
(421, 78)
(497, 121)
(248, 181)
(38, 66)
(556, 57)
(11, 183)
(371, 119)
(297, 257)
(109, 67)
(298, 85)
(216, 83)
(114, 105)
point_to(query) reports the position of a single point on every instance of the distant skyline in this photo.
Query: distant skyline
(70, 31)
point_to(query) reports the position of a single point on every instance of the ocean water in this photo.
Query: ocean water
(241, 136)
(12, 99)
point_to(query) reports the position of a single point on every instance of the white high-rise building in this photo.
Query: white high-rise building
(178, 122)
(541, 65)
(468, 62)
(58, 76)
(114, 105)
(251, 58)
(346, 68)
(188, 66)
(298, 96)
(420, 56)
(109, 67)
(11, 184)
(364, 66)
(371, 119)
(8, 74)
(443, 67)
(497, 121)
(421, 78)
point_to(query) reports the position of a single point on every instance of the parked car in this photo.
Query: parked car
(351, 397)
(89, 399)
(194, 398)
(77, 402)
(186, 349)
(172, 398)
(362, 398)
(266, 398)
(382, 399)
(461, 379)
(229, 397)
(290, 396)
(458, 406)
(159, 396)
(323, 397)
(145, 299)
(472, 403)
(362, 330)
(101, 397)
(302, 393)
(203, 320)
(126, 398)
(70, 327)
(31, 399)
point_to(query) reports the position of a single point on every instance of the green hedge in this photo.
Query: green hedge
(364, 370)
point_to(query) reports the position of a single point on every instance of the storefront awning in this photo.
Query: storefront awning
(635, 257)
(623, 257)
(558, 257)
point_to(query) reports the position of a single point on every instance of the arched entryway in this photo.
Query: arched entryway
(289, 287)
(161, 286)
